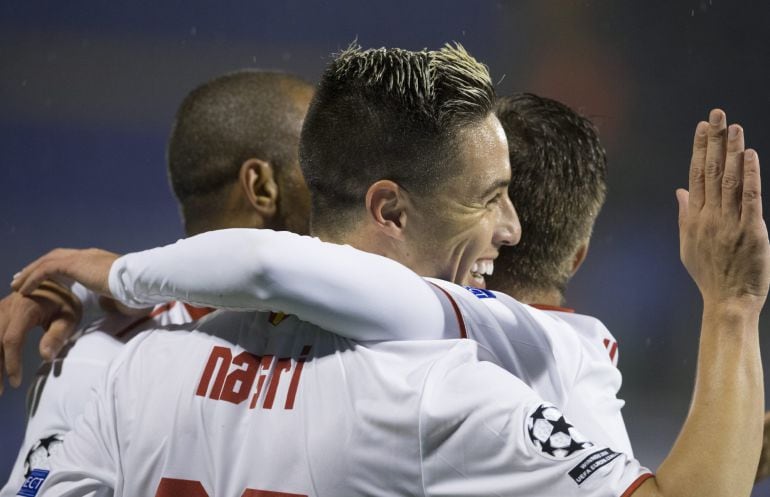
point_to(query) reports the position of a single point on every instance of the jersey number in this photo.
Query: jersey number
(175, 487)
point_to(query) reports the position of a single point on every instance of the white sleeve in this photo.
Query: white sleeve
(89, 301)
(359, 295)
(55, 400)
(88, 462)
(593, 401)
(485, 432)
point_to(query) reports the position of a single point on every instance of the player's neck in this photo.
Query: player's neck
(553, 297)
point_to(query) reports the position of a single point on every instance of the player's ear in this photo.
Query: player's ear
(257, 180)
(580, 255)
(386, 206)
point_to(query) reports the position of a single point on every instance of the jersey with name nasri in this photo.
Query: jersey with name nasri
(282, 408)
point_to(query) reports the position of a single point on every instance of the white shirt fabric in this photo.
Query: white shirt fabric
(367, 297)
(62, 387)
(280, 408)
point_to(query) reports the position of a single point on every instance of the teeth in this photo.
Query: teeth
(483, 267)
(490, 267)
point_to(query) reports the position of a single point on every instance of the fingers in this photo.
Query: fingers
(732, 177)
(715, 158)
(51, 266)
(683, 199)
(751, 200)
(13, 343)
(697, 167)
(54, 338)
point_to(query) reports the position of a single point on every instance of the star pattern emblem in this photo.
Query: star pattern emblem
(558, 426)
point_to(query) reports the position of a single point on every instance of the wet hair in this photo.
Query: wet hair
(558, 185)
(224, 122)
(392, 114)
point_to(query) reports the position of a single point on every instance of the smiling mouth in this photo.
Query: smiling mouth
(481, 268)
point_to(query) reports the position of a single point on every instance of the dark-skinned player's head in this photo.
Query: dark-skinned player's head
(558, 185)
(233, 153)
(402, 149)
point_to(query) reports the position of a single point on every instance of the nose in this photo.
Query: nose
(508, 230)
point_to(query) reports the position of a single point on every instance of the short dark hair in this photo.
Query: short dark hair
(226, 121)
(387, 113)
(558, 186)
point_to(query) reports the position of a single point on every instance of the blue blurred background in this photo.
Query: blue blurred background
(88, 91)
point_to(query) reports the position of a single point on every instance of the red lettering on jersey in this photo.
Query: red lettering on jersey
(239, 382)
(264, 370)
(281, 365)
(219, 359)
(234, 385)
(176, 487)
(292, 394)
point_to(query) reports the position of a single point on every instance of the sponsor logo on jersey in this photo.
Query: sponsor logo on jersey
(275, 318)
(33, 483)
(480, 292)
(552, 435)
(591, 463)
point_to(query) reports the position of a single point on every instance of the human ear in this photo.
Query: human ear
(579, 256)
(386, 207)
(257, 181)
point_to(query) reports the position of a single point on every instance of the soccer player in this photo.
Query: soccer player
(558, 185)
(232, 160)
(473, 436)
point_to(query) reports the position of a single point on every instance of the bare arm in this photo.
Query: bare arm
(764, 461)
(724, 247)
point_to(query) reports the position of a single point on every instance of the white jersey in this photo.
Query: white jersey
(281, 408)
(63, 386)
(366, 297)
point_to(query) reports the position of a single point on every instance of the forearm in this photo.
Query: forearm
(356, 294)
(722, 434)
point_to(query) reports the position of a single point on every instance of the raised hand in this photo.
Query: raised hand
(723, 238)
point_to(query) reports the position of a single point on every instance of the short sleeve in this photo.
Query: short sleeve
(485, 432)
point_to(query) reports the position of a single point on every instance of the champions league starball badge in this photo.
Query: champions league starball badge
(552, 435)
(37, 457)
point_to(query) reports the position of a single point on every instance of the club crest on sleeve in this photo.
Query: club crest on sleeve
(552, 435)
(480, 292)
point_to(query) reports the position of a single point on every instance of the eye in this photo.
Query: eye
(495, 199)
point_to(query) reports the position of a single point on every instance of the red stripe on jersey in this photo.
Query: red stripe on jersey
(545, 307)
(606, 343)
(613, 351)
(636, 484)
(157, 311)
(198, 312)
(458, 314)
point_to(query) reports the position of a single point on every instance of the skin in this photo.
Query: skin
(256, 198)
(724, 246)
(476, 215)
